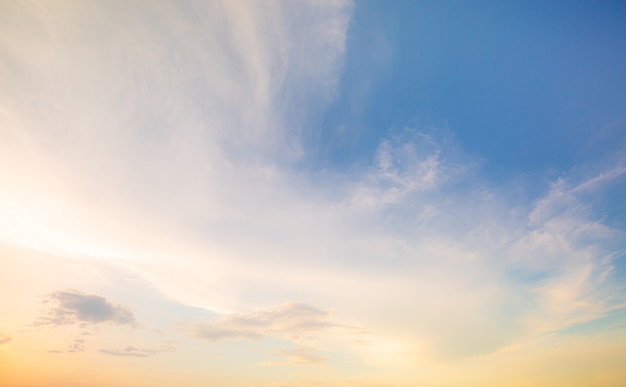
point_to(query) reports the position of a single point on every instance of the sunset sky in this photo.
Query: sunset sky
(312, 193)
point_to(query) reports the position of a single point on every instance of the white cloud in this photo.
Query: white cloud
(133, 131)
(407, 163)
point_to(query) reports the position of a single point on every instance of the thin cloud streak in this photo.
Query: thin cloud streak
(290, 321)
(131, 351)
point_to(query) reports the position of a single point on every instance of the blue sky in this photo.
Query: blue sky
(528, 86)
(305, 193)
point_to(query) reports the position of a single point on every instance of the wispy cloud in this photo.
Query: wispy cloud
(128, 352)
(78, 345)
(4, 338)
(73, 307)
(299, 356)
(406, 162)
(131, 351)
(189, 105)
(506, 269)
(291, 321)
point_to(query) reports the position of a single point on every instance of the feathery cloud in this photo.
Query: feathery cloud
(290, 321)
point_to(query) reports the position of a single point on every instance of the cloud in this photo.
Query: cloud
(291, 321)
(299, 356)
(189, 106)
(172, 141)
(506, 269)
(166, 132)
(130, 351)
(78, 345)
(73, 307)
(406, 163)
(4, 338)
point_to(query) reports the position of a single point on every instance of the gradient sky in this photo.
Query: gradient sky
(312, 193)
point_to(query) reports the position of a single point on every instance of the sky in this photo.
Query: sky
(312, 193)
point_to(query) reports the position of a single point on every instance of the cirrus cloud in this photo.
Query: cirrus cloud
(293, 321)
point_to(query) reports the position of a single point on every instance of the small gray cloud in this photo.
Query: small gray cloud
(78, 345)
(73, 307)
(4, 338)
(290, 321)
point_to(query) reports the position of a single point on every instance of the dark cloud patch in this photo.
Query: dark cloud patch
(4, 338)
(73, 307)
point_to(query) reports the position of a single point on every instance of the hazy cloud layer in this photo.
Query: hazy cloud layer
(73, 307)
(290, 321)
(299, 356)
(128, 352)
(4, 338)
(131, 351)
